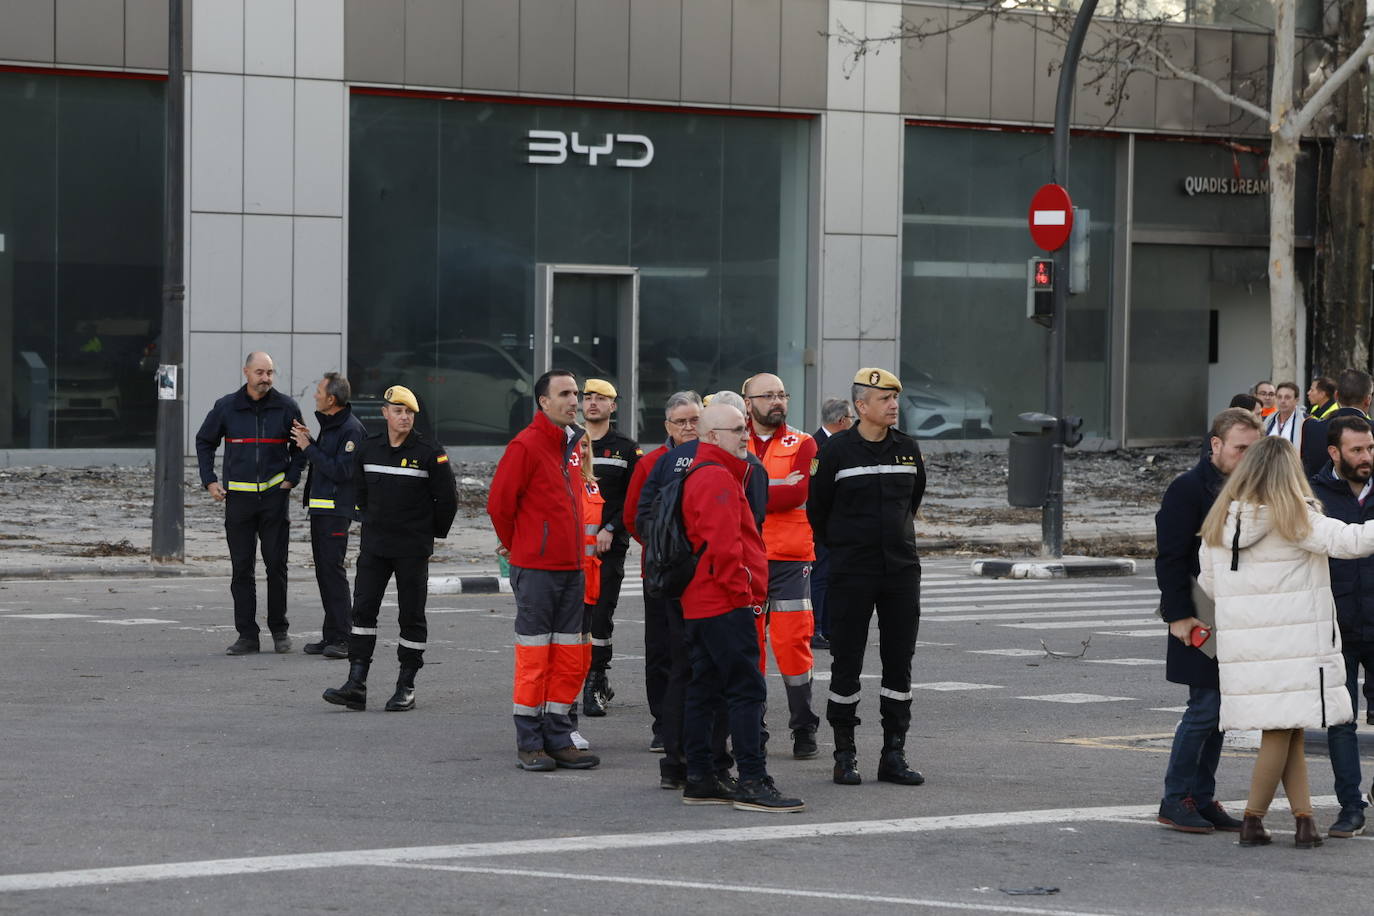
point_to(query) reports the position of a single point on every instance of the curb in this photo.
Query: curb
(469, 585)
(84, 571)
(1064, 568)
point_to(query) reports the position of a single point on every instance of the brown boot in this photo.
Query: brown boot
(1306, 836)
(1252, 832)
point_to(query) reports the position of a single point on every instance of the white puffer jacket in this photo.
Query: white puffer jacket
(1278, 646)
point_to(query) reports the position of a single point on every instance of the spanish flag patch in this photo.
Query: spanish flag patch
(442, 459)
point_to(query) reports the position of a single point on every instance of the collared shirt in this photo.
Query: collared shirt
(1290, 430)
(1368, 485)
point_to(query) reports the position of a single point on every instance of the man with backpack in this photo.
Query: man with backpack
(719, 605)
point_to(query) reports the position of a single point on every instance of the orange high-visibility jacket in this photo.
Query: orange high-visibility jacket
(593, 504)
(786, 532)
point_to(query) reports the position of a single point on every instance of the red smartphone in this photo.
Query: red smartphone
(1198, 636)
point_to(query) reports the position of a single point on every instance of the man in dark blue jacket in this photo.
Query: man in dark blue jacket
(1343, 487)
(1190, 782)
(1353, 390)
(331, 499)
(260, 464)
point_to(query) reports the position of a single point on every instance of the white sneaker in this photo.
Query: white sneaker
(582, 744)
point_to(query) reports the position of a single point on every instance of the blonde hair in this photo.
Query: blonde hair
(584, 449)
(1269, 475)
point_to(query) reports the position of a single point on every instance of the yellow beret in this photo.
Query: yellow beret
(877, 378)
(601, 387)
(400, 394)
(706, 401)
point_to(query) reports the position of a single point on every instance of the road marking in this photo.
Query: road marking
(1168, 708)
(1124, 661)
(1077, 698)
(1135, 634)
(1013, 653)
(1079, 596)
(955, 685)
(354, 858)
(135, 621)
(1065, 624)
(847, 896)
(1038, 615)
(979, 594)
(46, 616)
(1065, 608)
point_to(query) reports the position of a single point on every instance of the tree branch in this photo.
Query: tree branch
(1179, 73)
(1325, 88)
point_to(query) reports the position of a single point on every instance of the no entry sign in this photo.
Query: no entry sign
(1050, 217)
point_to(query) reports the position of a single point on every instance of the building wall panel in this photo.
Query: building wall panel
(706, 51)
(655, 53)
(434, 43)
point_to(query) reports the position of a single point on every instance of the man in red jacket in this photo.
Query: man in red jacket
(536, 510)
(718, 608)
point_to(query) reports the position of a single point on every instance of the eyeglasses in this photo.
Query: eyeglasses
(688, 421)
(737, 430)
(769, 396)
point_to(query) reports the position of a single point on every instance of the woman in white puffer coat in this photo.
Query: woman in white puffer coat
(1264, 554)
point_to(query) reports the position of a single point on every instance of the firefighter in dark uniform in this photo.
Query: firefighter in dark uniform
(866, 485)
(261, 464)
(331, 499)
(614, 456)
(407, 498)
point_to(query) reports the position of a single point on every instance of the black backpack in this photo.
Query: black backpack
(669, 560)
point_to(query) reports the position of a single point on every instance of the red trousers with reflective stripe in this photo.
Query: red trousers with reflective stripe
(552, 655)
(789, 623)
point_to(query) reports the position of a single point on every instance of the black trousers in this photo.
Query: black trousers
(329, 544)
(671, 720)
(658, 658)
(252, 520)
(369, 586)
(851, 602)
(603, 615)
(724, 655)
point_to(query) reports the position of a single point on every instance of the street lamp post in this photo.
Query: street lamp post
(169, 514)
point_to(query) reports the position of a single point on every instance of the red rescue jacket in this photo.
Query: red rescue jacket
(593, 503)
(535, 501)
(733, 569)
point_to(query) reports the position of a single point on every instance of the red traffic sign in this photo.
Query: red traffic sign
(1050, 217)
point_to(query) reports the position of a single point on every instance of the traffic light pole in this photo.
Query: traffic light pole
(169, 512)
(1052, 516)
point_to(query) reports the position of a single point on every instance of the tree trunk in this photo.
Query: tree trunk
(1341, 317)
(1283, 160)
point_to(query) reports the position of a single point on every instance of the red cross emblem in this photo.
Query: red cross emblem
(790, 440)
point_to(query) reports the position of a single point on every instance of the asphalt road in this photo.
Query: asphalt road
(142, 770)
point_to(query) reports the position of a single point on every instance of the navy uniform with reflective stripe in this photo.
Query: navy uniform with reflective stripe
(258, 457)
(330, 499)
(862, 507)
(614, 457)
(407, 497)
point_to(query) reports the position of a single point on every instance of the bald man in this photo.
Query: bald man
(261, 463)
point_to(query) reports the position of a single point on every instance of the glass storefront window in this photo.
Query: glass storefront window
(448, 219)
(80, 269)
(971, 361)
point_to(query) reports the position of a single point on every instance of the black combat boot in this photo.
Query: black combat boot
(846, 757)
(892, 766)
(404, 697)
(353, 694)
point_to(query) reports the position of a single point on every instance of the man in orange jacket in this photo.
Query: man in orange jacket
(536, 509)
(786, 453)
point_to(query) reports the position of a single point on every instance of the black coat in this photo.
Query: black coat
(1352, 581)
(330, 488)
(406, 493)
(1314, 454)
(258, 448)
(614, 457)
(1177, 524)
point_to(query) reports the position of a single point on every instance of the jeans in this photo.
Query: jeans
(1197, 750)
(724, 653)
(1341, 741)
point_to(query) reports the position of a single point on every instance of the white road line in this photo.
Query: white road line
(951, 594)
(1124, 661)
(1036, 606)
(1066, 624)
(1044, 598)
(983, 907)
(955, 685)
(1137, 634)
(353, 858)
(1168, 709)
(46, 616)
(1098, 611)
(135, 621)
(1076, 698)
(1012, 653)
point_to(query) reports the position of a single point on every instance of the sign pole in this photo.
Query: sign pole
(1052, 516)
(169, 499)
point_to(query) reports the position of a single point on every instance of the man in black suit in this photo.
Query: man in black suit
(836, 416)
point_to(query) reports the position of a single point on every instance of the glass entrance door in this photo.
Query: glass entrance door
(587, 321)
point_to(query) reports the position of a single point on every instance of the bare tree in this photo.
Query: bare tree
(1119, 48)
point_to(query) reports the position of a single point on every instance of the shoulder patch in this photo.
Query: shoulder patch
(815, 465)
(442, 459)
(349, 445)
(639, 452)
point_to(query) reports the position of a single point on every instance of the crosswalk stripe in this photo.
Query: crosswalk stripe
(1067, 624)
(1042, 615)
(1054, 608)
(1022, 596)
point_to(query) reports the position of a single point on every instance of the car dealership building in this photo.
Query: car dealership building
(457, 194)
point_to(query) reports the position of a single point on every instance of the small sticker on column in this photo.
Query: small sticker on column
(166, 383)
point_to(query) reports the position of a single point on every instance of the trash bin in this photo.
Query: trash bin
(1028, 468)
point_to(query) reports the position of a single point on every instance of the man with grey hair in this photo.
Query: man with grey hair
(261, 463)
(836, 417)
(331, 500)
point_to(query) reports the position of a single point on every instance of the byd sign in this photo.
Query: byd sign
(551, 147)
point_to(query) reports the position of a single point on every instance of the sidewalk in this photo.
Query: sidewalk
(64, 522)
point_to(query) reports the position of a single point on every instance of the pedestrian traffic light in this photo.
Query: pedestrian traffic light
(1040, 290)
(1073, 430)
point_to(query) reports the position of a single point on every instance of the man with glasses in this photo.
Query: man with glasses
(836, 417)
(719, 607)
(786, 453)
(866, 486)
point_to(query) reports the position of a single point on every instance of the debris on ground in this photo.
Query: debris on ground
(1050, 653)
